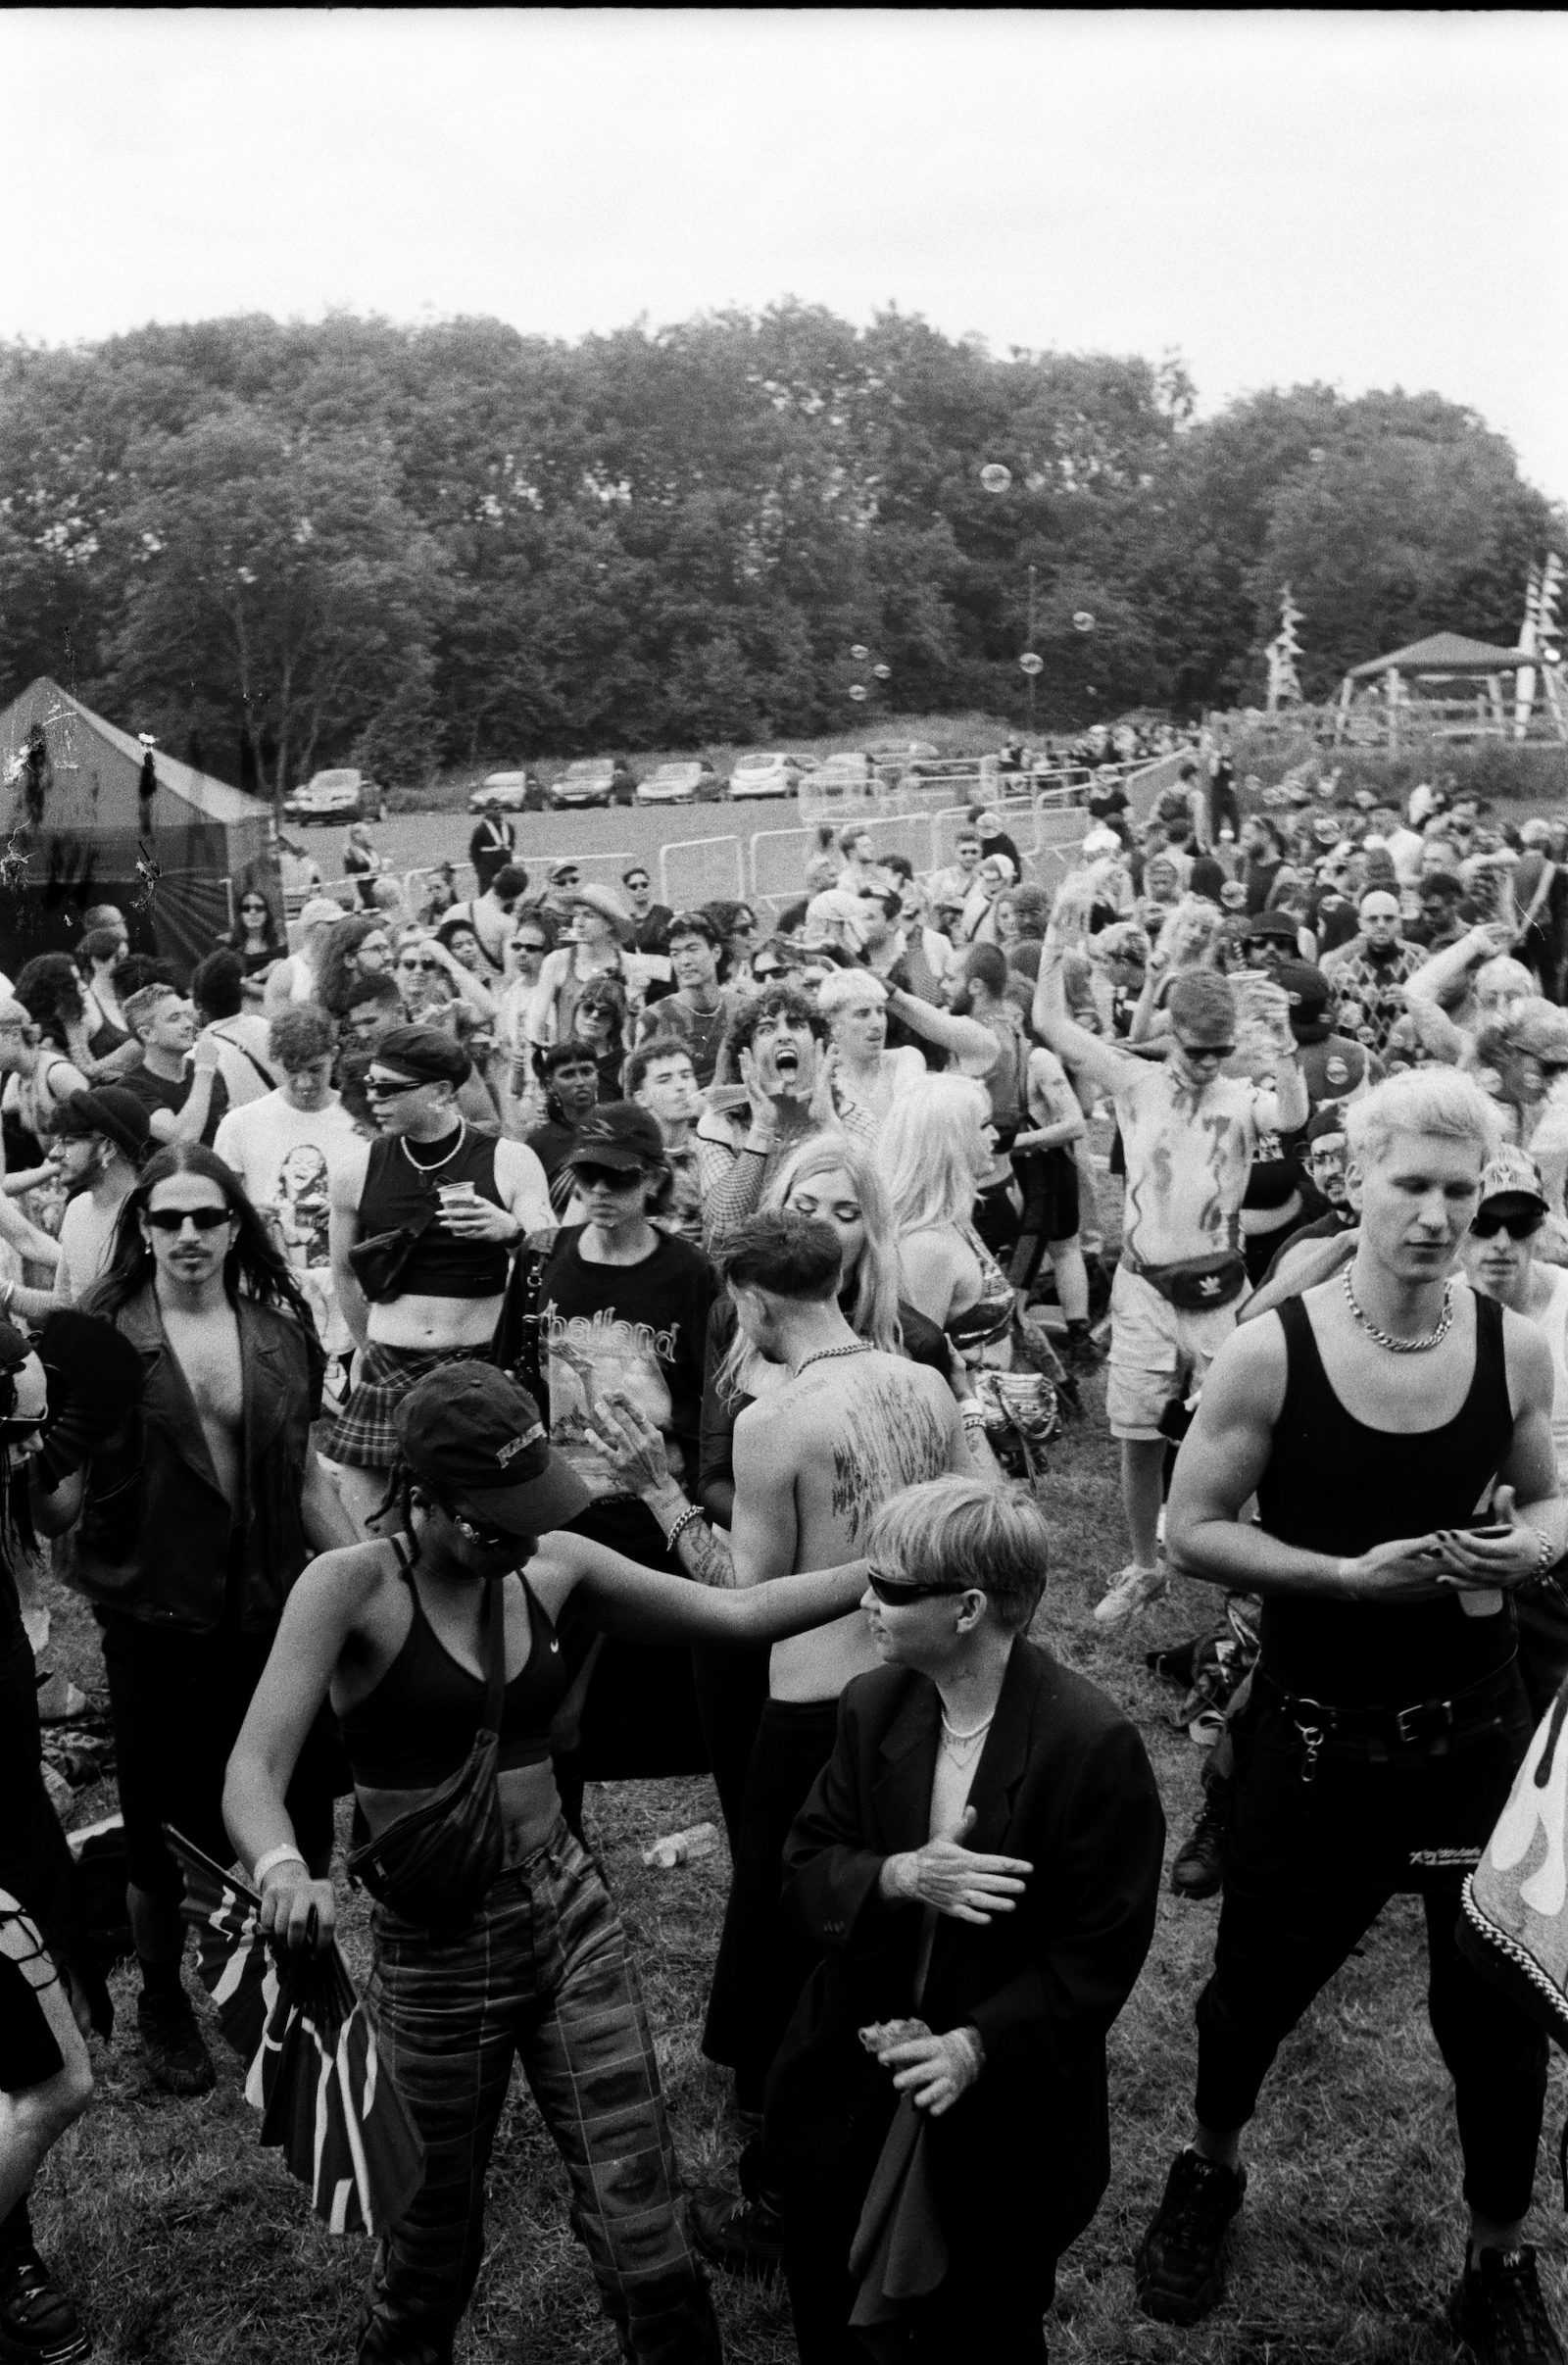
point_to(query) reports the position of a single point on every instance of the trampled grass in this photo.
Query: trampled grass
(190, 2247)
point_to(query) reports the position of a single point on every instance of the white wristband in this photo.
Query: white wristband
(272, 1858)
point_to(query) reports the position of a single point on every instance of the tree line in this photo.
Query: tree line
(282, 545)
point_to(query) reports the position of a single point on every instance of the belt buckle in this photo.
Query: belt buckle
(1411, 1724)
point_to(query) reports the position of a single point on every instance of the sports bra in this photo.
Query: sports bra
(418, 1726)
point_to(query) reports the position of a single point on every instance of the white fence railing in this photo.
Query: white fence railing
(702, 870)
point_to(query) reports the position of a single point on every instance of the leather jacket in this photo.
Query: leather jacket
(154, 1538)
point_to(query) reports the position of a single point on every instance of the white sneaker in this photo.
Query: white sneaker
(1130, 1593)
(1159, 1528)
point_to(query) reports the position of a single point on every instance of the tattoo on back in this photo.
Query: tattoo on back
(890, 1439)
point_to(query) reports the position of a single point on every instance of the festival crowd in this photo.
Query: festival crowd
(468, 1347)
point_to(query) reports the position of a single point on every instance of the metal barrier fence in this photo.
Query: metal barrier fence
(777, 862)
(701, 870)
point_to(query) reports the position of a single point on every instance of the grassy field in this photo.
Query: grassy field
(190, 2247)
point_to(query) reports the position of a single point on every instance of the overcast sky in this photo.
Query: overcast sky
(1373, 200)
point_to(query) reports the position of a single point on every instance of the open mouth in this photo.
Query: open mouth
(787, 1060)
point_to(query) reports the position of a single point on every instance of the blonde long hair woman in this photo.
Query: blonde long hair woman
(933, 1151)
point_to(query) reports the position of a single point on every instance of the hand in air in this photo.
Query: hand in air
(630, 1443)
(950, 1877)
(204, 1053)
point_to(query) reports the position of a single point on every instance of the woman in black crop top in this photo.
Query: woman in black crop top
(396, 1633)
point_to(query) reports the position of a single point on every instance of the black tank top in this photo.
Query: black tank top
(1335, 1485)
(418, 1726)
(397, 1192)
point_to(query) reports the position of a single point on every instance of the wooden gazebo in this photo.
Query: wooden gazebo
(1413, 681)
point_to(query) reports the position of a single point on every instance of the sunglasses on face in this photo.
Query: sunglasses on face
(635, 886)
(567, 878)
(895, 1592)
(171, 1220)
(528, 944)
(1517, 1227)
(608, 1178)
(387, 1088)
(404, 962)
(1209, 1051)
(491, 1538)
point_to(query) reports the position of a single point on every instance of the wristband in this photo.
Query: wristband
(1547, 1555)
(672, 1535)
(274, 1857)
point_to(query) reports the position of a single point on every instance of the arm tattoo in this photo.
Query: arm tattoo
(705, 1553)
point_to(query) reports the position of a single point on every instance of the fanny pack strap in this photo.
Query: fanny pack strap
(492, 1619)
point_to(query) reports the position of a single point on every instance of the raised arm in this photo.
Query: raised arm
(1443, 977)
(974, 1046)
(643, 1604)
(1080, 1051)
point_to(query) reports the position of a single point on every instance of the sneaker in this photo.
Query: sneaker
(1498, 2314)
(1129, 1593)
(1180, 2263)
(38, 2321)
(174, 2049)
(1200, 1866)
(743, 2236)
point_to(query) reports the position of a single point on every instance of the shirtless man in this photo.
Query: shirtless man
(471, 1198)
(1189, 1132)
(815, 1461)
(229, 1501)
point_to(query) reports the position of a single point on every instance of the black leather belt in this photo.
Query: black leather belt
(1427, 1724)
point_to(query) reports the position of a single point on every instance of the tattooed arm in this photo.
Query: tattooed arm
(635, 1451)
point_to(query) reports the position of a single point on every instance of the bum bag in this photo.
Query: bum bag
(433, 1865)
(1195, 1284)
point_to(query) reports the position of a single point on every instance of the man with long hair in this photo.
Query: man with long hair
(186, 1528)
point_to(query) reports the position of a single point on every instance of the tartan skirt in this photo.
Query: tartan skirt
(362, 1437)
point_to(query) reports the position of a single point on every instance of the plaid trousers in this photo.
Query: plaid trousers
(543, 1972)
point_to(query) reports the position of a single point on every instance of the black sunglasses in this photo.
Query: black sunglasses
(1206, 1051)
(175, 1219)
(607, 1178)
(491, 1537)
(1517, 1227)
(404, 962)
(387, 1088)
(894, 1591)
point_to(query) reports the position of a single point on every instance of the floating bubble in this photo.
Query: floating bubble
(995, 477)
(1317, 455)
(1083, 621)
(858, 654)
(1030, 663)
(883, 672)
(857, 691)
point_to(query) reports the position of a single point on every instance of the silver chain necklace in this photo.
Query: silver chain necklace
(436, 1164)
(825, 1354)
(1383, 1338)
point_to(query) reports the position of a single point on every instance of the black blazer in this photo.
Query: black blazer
(1064, 1783)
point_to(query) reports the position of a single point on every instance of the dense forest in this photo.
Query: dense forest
(279, 547)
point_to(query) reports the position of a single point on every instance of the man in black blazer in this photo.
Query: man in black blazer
(1007, 1903)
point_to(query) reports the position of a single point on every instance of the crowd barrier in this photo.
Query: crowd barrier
(702, 870)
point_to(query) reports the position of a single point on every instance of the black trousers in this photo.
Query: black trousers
(766, 1959)
(35, 1864)
(176, 1701)
(1001, 2279)
(731, 1693)
(1541, 1610)
(1312, 1864)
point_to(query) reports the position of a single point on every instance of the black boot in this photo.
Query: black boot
(1200, 1866)
(38, 2321)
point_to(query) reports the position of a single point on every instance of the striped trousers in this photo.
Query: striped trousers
(541, 1973)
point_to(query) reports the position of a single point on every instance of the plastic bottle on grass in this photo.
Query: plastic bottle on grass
(682, 1847)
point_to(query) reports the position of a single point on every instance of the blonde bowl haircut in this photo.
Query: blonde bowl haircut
(962, 1532)
(919, 1151)
(874, 1314)
(1438, 1101)
(847, 986)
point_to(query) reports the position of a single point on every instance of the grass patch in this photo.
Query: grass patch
(188, 2245)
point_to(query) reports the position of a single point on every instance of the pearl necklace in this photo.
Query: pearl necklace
(960, 1746)
(436, 1164)
(1383, 1338)
(825, 1354)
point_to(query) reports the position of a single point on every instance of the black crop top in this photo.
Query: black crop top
(399, 1189)
(418, 1726)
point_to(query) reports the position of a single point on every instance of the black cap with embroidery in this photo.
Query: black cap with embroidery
(469, 1433)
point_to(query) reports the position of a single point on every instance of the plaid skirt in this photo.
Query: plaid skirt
(362, 1436)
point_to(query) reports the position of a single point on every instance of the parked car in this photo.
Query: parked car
(591, 780)
(762, 774)
(690, 782)
(508, 792)
(848, 773)
(336, 795)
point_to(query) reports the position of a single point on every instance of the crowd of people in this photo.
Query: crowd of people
(549, 1315)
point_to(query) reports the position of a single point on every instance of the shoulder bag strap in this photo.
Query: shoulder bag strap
(494, 1622)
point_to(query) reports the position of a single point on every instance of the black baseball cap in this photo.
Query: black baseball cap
(467, 1430)
(1277, 924)
(619, 1135)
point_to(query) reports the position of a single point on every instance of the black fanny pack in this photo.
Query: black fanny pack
(377, 1264)
(1195, 1285)
(433, 1865)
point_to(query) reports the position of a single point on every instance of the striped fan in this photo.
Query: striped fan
(315, 2070)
